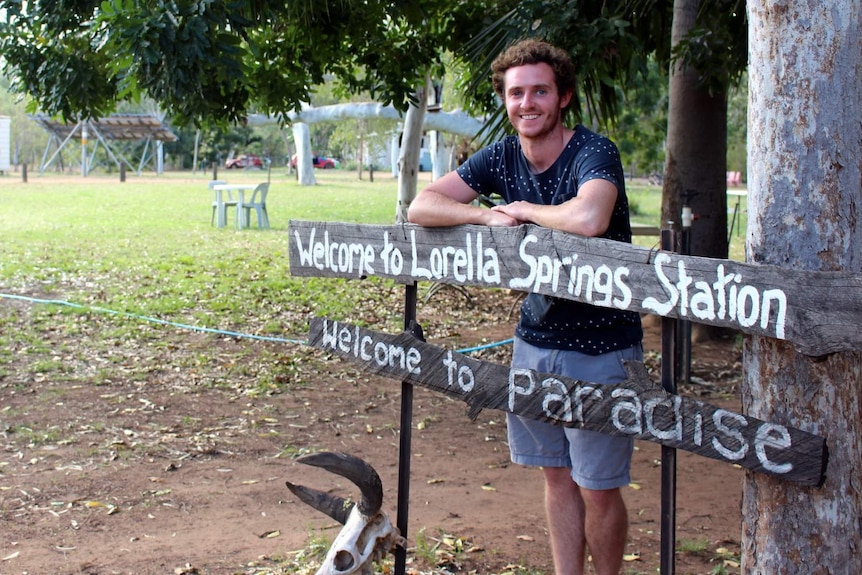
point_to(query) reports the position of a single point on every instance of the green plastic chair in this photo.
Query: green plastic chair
(229, 202)
(257, 202)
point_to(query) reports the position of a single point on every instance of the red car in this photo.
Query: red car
(244, 162)
(321, 162)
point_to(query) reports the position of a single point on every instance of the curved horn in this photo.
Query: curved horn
(360, 473)
(336, 507)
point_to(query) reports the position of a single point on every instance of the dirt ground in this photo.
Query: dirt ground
(175, 461)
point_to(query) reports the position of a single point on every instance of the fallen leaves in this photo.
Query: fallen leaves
(111, 508)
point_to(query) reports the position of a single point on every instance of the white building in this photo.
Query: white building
(5, 143)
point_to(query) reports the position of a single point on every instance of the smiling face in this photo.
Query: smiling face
(533, 103)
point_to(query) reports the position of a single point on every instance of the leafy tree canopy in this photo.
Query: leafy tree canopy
(612, 43)
(212, 60)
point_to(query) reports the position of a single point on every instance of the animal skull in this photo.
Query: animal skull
(367, 535)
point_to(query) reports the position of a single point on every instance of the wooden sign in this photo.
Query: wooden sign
(635, 408)
(820, 312)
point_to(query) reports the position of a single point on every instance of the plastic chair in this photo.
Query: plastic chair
(257, 202)
(227, 203)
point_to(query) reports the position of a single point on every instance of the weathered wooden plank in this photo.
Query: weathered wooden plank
(820, 312)
(636, 408)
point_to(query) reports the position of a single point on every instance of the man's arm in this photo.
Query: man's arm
(587, 214)
(447, 202)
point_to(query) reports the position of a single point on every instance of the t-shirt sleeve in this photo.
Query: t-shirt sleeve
(479, 170)
(600, 159)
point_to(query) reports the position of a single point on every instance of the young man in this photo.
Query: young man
(570, 180)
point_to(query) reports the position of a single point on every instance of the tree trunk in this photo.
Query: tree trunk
(439, 167)
(408, 163)
(304, 166)
(696, 158)
(804, 173)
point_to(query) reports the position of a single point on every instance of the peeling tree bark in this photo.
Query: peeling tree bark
(408, 162)
(805, 169)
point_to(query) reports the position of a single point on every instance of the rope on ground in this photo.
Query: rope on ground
(156, 320)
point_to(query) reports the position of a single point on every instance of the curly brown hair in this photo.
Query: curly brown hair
(534, 51)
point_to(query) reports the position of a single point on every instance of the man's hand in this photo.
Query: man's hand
(587, 214)
(496, 217)
(448, 202)
(519, 211)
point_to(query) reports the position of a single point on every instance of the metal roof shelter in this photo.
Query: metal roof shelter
(116, 127)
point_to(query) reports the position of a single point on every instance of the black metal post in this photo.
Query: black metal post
(668, 454)
(683, 351)
(410, 297)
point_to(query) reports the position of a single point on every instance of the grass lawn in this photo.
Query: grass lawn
(147, 246)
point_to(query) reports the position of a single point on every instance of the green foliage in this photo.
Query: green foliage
(617, 48)
(641, 127)
(737, 127)
(596, 35)
(213, 61)
(717, 47)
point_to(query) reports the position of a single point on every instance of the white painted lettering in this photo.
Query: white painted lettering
(652, 303)
(344, 339)
(584, 273)
(416, 270)
(460, 264)
(671, 404)
(748, 293)
(305, 255)
(463, 374)
(525, 283)
(719, 287)
(363, 347)
(625, 299)
(703, 302)
(780, 298)
(561, 399)
(732, 433)
(329, 339)
(628, 408)
(528, 384)
(774, 436)
(582, 395)
(604, 284)
(682, 285)
(338, 257)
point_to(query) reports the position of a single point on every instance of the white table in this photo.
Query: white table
(222, 204)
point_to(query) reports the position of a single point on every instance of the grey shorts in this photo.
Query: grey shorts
(597, 461)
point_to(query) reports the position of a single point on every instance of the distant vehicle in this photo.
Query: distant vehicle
(321, 162)
(249, 161)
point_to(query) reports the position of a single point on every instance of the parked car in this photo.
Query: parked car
(321, 162)
(244, 161)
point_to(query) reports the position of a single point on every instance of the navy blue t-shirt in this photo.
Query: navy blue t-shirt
(550, 322)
